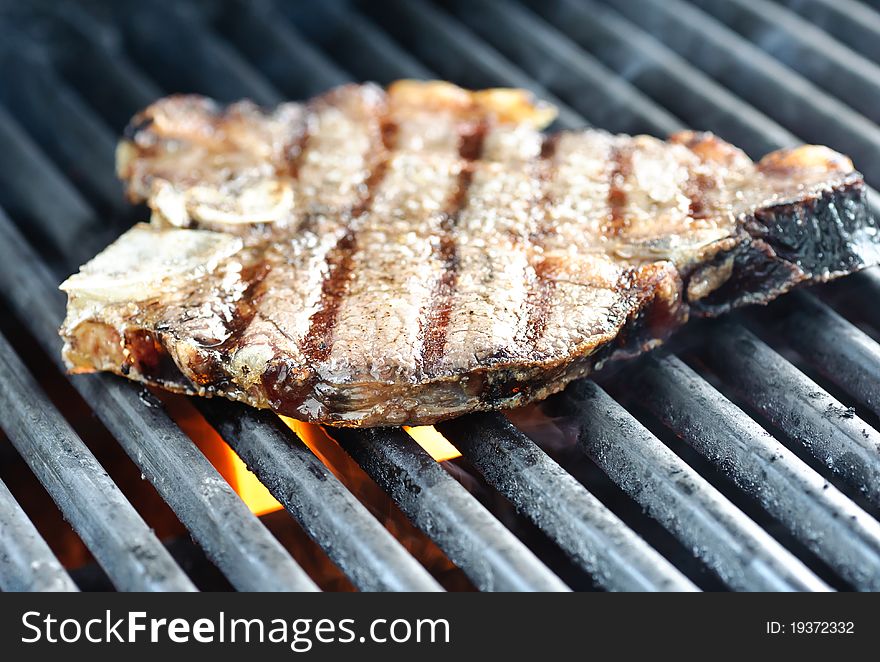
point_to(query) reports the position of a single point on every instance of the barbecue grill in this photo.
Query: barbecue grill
(745, 457)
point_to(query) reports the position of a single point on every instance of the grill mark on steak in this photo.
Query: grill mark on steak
(540, 298)
(439, 309)
(317, 343)
(470, 146)
(297, 149)
(210, 371)
(797, 216)
(542, 288)
(695, 189)
(621, 168)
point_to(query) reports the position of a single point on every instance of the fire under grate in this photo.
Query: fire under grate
(746, 456)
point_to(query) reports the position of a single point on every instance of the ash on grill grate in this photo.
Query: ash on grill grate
(786, 500)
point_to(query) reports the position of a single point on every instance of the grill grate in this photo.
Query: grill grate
(742, 554)
(783, 485)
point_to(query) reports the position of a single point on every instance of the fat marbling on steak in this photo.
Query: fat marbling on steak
(394, 257)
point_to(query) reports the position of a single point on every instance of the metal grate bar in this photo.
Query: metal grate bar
(863, 294)
(362, 548)
(159, 36)
(26, 562)
(358, 44)
(750, 73)
(554, 501)
(120, 540)
(491, 556)
(818, 514)
(457, 53)
(793, 402)
(278, 51)
(233, 538)
(851, 21)
(742, 554)
(805, 48)
(84, 150)
(54, 207)
(89, 56)
(565, 69)
(30, 289)
(843, 353)
(663, 75)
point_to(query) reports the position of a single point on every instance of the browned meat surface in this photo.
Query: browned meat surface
(401, 257)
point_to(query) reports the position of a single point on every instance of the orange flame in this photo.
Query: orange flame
(246, 484)
(432, 441)
(249, 487)
(315, 438)
(321, 444)
(224, 459)
(340, 463)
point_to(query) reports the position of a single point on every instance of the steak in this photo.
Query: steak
(378, 257)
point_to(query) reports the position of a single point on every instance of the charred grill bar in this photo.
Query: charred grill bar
(200, 496)
(96, 508)
(572, 517)
(831, 432)
(371, 558)
(843, 353)
(744, 555)
(26, 562)
(472, 538)
(794, 494)
(623, 66)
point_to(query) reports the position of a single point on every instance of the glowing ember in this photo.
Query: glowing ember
(247, 485)
(235, 471)
(320, 443)
(224, 459)
(326, 449)
(432, 441)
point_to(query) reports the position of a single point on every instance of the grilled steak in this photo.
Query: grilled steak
(401, 257)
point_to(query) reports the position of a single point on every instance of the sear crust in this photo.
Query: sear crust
(397, 257)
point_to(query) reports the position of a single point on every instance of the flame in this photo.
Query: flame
(377, 500)
(327, 450)
(246, 484)
(322, 445)
(225, 460)
(432, 441)
(249, 487)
